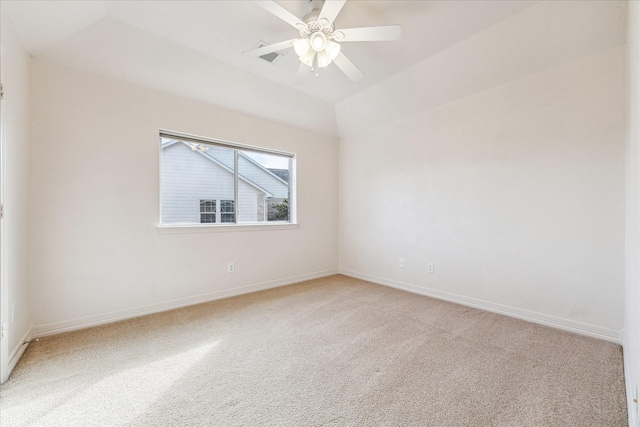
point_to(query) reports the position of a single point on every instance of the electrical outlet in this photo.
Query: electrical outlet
(430, 268)
(401, 263)
(231, 268)
(13, 312)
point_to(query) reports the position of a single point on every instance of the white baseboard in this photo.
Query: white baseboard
(115, 316)
(17, 352)
(531, 316)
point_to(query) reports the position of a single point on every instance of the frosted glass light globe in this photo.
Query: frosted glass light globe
(318, 41)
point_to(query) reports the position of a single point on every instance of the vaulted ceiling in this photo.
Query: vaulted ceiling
(194, 48)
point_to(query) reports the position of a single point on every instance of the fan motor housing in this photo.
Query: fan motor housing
(311, 19)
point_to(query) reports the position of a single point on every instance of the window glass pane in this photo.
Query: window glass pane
(194, 178)
(263, 187)
(207, 218)
(207, 206)
(207, 211)
(227, 211)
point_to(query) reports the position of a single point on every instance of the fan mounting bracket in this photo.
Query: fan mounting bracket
(316, 5)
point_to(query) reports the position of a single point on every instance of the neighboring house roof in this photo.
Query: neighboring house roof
(283, 174)
(269, 183)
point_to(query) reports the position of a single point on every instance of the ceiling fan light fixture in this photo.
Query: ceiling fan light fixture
(323, 59)
(301, 46)
(318, 44)
(307, 58)
(332, 49)
(318, 41)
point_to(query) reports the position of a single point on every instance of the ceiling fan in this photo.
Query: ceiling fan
(318, 44)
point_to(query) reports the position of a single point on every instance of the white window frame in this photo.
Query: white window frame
(235, 226)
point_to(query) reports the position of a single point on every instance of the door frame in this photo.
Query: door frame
(4, 291)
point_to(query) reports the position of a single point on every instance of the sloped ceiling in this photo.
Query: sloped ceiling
(194, 48)
(545, 36)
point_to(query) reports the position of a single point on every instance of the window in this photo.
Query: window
(227, 211)
(213, 182)
(207, 211)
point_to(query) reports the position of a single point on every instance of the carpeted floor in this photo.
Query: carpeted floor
(333, 351)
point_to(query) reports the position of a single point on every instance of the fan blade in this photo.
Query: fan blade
(348, 68)
(329, 11)
(303, 72)
(269, 48)
(282, 13)
(369, 34)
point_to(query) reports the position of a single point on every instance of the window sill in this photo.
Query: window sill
(222, 228)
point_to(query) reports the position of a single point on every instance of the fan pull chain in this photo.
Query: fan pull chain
(315, 68)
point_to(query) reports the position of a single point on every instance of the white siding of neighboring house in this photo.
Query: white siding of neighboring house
(187, 178)
(223, 155)
(248, 202)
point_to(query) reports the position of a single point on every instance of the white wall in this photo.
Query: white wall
(515, 193)
(16, 177)
(96, 251)
(632, 265)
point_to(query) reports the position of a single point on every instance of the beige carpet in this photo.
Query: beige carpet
(334, 351)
